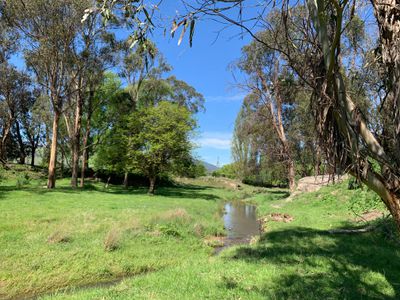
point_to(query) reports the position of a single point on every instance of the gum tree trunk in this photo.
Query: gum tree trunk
(126, 180)
(51, 182)
(22, 153)
(152, 186)
(351, 125)
(76, 140)
(85, 151)
(33, 152)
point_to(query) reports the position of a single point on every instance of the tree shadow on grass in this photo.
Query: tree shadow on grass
(279, 193)
(317, 265)
(189, 192)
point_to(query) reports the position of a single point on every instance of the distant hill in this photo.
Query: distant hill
(210, 168)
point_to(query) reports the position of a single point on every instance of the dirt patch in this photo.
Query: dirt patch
(274, 217)
(279, 217)
(215, 241)
(277, 206)
(369, 216)
(314, 183)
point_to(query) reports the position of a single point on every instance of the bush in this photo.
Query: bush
(23, 179)
(228, 171)
(364, 200)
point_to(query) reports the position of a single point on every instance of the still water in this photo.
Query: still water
(240, 221)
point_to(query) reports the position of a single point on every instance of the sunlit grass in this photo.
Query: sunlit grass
(57, 239)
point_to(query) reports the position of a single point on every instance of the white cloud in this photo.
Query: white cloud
(216, 140)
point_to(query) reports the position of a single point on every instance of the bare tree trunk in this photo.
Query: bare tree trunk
(51, 182)
(317, 167)
(62, 160)
(22, 153)
(277, 122)
(33, 153)
(152, 186)
(3, 141)
(76, 141)
(126, 180)
(391, 200)
(85, 153)
(291, 174)
(47, 150)
(108, 182)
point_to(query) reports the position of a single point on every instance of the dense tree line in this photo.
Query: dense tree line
(58, 98)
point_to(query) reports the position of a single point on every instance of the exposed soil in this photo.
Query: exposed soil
(314, 183)
(369, 216)
(279, 217)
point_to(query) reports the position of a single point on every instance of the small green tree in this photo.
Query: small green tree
(157, 138)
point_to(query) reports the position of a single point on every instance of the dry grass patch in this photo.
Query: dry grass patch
(175, 214)
(59, 236)
(198, 229)
(215, 241)
(112, 240)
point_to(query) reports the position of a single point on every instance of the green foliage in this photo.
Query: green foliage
(190, 168)
(23, 179)
(157, 137)
(228, 171)
(364, 200)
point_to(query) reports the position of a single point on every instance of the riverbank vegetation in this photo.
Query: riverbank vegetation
(117, 243)
(97, 140)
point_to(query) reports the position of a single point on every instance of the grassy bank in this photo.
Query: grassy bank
(50, 240)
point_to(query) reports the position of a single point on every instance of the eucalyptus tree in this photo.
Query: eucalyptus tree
(49, 29)
(91, 56)
(139, 64)
(272, 86)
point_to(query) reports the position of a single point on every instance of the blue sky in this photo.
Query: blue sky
(205, 66)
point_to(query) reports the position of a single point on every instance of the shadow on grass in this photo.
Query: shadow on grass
(314, 265)
(280, 194)
(184, 191)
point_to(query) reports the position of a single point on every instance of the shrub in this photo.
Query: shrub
(23, 179)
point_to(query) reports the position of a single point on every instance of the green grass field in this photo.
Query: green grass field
(113, 243)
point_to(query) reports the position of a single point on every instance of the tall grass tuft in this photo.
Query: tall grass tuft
(59, 236)
(112, 240)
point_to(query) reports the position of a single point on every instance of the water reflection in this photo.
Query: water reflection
(240, 220)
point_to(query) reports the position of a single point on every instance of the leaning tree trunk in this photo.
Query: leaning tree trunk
(51, 182)
(349, 129)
